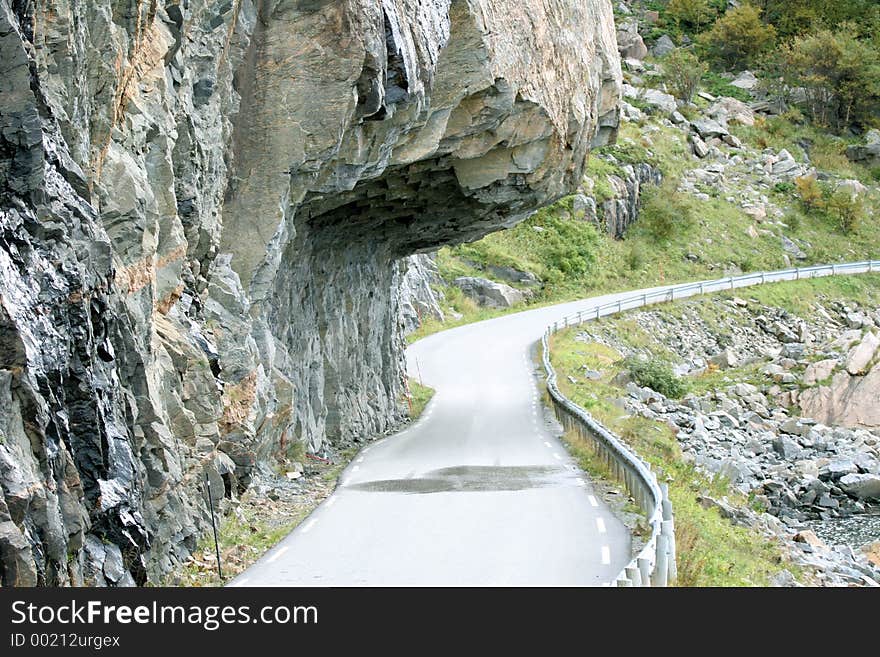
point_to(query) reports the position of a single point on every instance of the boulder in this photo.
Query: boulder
(630, 44)
(726, 109)
(699, 147)
(663, 46)
(819, 371)
(725, 359)
(652, 97)
(708, 128)
(745, 80)
(489, 293)
(861, 486)
(792, 249)
(859, 357)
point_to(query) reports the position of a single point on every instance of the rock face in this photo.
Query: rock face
(622, 210)
(203, 211)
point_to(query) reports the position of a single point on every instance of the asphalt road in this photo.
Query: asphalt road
(478, 492)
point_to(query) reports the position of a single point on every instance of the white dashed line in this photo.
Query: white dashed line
(277, 554)
(593, 501)
(356, 468)
(331, 501)
(360, 460)
(600, 525)
(580, 482)
(308, 526)
(556, 456)
(240, 582)
(606, 555)
(548, 445)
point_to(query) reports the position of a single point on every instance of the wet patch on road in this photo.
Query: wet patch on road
(473, 479)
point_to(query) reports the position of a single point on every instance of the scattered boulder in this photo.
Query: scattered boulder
(745, 80)
(707, 128)
(489, 293)
(792, 249)
(860, 356)
(862, 486)
(726, 109)
(630, 44)
(819, 371)
(663, 46)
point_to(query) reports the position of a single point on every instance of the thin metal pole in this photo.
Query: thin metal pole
(214, 525)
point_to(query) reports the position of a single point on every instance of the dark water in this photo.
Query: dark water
(854, 531)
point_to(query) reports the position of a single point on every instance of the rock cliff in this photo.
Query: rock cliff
(204, 206)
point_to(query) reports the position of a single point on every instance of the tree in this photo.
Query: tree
(683, 71)
(692, 14)
(739, 37)
(839, 74)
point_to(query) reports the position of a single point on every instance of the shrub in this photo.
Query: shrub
(657, 375)
(692, 14)
(683, 72)
(665, 212)
(845, 209)
(839, 73)
(739, 38)
(810, 193)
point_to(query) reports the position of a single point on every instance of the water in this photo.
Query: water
(854, 531)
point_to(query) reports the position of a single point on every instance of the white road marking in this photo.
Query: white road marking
(241, 582)
(600, 525)
(549, 446)
(308, 526)
(593, 501)
(580, 482)
(356, 468)
(331, 501)
(277, 554)
(556, 456)
(360, 460)
(606, 555)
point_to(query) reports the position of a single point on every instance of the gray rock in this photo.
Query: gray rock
(489, 293)
(745, 80)
(837, 469)
(792, 249)
(707, 128)
(787, 448)
(663, 46)
(862, 486)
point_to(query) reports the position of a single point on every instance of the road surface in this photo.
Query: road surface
(479, 492)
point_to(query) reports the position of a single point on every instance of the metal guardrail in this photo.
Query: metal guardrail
(655, 565)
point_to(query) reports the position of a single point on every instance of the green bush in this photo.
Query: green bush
(739, 38)
(665, 213)
(683, 71)
(840, 74)
(845, 209)
(657, 375)
(692, 14)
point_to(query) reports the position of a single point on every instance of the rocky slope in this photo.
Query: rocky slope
(770, 423)
(203, 210)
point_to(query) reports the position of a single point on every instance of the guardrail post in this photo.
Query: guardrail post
(645, 570)
(634, 575)
(797, 273)
(619, 306)
(668, 530)
(597, 312)
(661, 573)
(731, 282)
(644, 299)
(763, 278)
(702, 291)
(833, 269)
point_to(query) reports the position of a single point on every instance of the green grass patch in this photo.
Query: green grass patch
(419, 397)
(711, 550)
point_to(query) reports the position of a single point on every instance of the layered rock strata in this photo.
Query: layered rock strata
(203, 210)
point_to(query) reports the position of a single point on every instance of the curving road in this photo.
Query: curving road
(479, 492)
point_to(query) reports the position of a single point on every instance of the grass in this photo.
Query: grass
(711, 550)
(419, 397)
